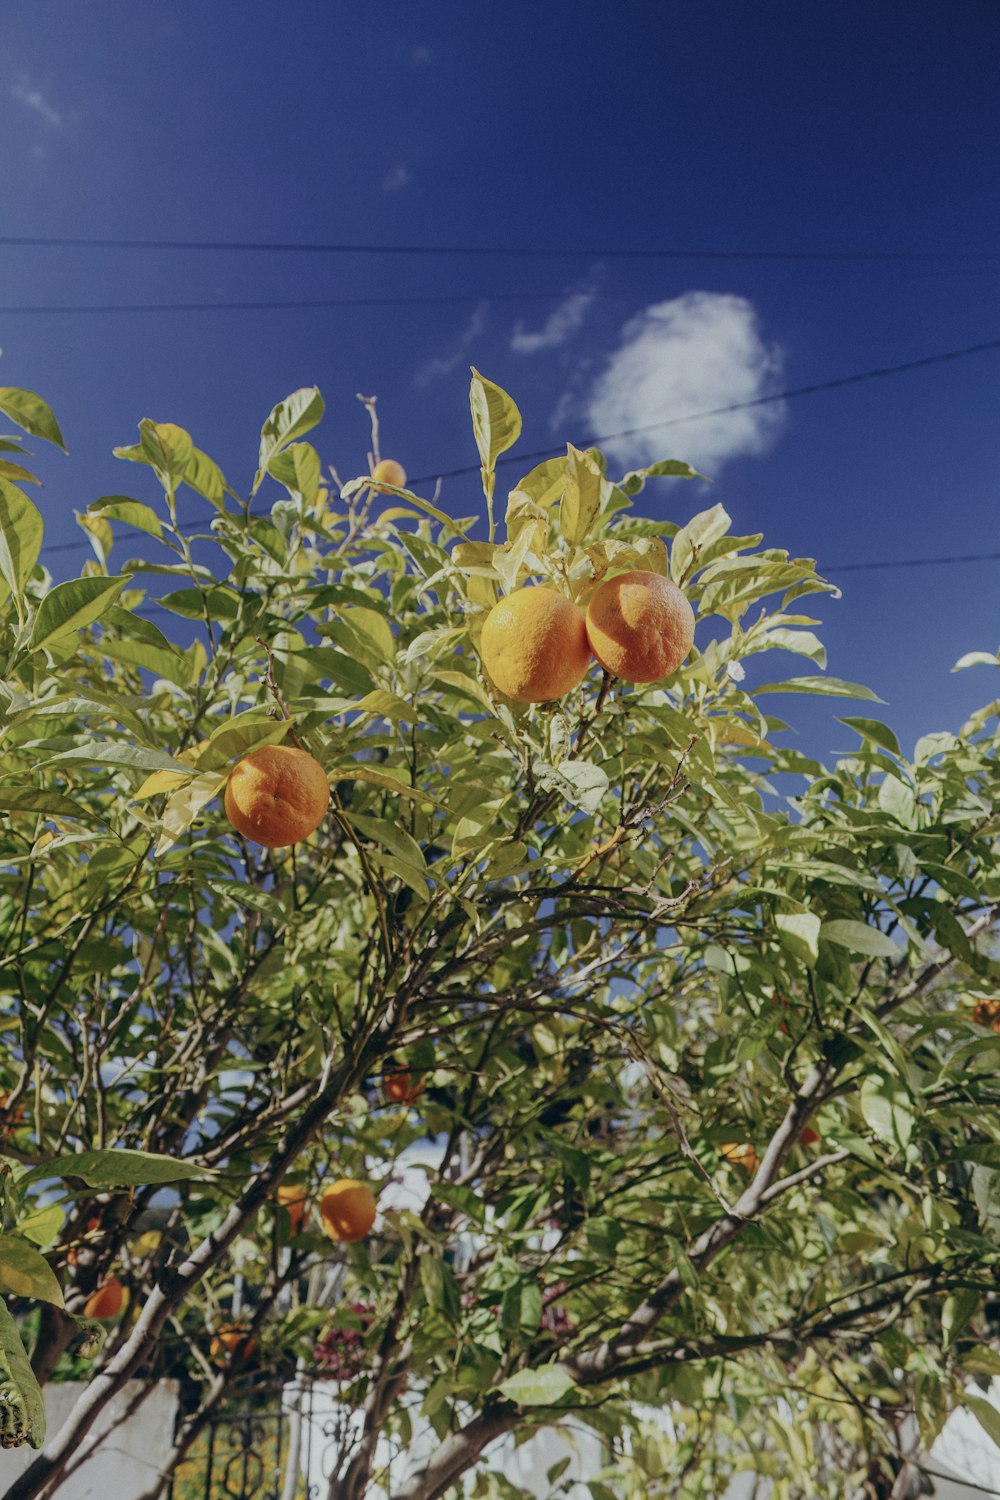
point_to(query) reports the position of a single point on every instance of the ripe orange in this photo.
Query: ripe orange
(277, 795)
(292, 1198)
(232, 1340)
(106, 1302)
(390, 472)
(534, 645)
(346, 1210)
(741, 1154)
(640, 626)
(399, 1086)
(809, 1137)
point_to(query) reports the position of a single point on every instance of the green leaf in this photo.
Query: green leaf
(298, 469)
(204, 476)
(22, 1413)
(129, 513)
(581, 501)
(831, 687)
(543, 1386)
(21, 530)
(886, 1107)
(130, 757)
(184, 805)
(16, 473)
(958, 1308)
(439, 1287)
(986, 1191)
(29, 411)
(667, 468)
(496, 421)
(72, 606)
(799, 933)
(879, 734)
(167, 448)
(693, 540)
(985, 1414)
(395, 838)
(383, 779)
(117, 1169)
(581, 783)
(544, 484)
(238, 735)
(39, 800)
(26, 1273)
(860, 938)
(42, 1226)
(290, 419)
(897, 799)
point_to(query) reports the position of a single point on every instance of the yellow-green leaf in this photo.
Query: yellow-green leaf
(71, 606)
(29, 411)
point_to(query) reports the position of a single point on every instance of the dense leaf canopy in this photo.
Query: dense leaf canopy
(698, 1145)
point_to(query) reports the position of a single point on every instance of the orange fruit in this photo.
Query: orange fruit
(106, 1302)
(292, 1198)
(986, 1012)
(390, 472)
(741, 1154)
(277, 795)
(640, 626)
(231, 1341)
(534, 645)
(399, 1086)
(346, 1210)
(809, 1137)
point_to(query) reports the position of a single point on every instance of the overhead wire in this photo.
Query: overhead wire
(542, 252)
(877, 373)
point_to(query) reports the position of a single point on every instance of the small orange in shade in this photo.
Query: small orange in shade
(640, 626)
(232, 1341)
(292, 1198)
(399, 1086)
(106, 1302)
(741, 1154)
(390, 472)
(986, 1012)
(534, 645)
(277, 795)
(809, 1137)
(346, 1210)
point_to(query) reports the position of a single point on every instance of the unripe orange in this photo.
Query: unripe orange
(106, 1302)
(741, 1154)
(232, 1341)
(292, 1198)
(534, 645)
(277, 795)
(390, 472)
(346, 1210)
(640, 626)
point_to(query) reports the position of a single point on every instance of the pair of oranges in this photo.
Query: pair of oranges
(346, 1208)
(537, 645)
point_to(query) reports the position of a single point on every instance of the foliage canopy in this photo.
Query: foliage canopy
(606, 938)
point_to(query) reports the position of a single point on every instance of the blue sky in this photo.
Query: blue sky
(850, 127)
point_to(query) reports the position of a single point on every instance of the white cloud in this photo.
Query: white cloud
(694, 353)
(559, 326)
(444, 364)
(396, 177)
(34, 99)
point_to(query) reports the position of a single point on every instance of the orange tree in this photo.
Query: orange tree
(703, 1061)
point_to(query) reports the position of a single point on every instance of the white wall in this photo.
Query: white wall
(119, 1458)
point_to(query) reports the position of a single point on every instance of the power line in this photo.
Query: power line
(878, 373)
(916, 562)
(318, 302)
(521, 251)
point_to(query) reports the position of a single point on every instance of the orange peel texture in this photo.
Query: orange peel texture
(277, 795)
(534, 645)
(346, 1210)
(640, 626)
